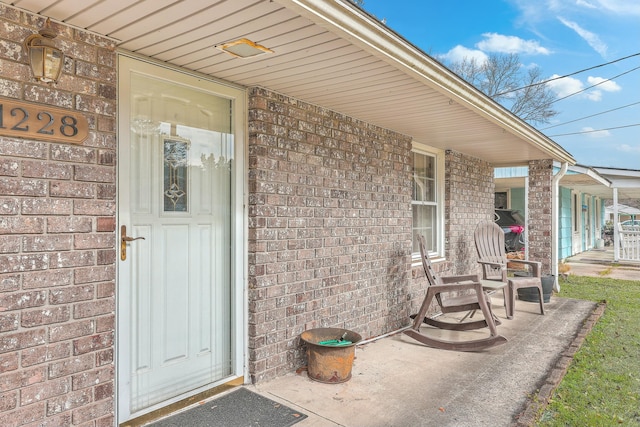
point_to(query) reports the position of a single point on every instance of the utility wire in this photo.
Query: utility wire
(592, 86)
(567, 75)
(593, 115)
(594, 130)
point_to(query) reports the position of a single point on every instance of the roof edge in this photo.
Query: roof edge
(364, 30)
(591, 173)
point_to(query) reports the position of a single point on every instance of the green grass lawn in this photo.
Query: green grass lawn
(602, 385)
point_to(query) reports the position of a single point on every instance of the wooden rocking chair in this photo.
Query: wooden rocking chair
(454, 304)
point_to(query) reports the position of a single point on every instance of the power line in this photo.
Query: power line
(567, 75)
(597, 84)
(594, 130)
(593, 115)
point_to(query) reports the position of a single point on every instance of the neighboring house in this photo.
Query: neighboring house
(581, 218)
(276, 191)
(624, 213)
(582, 194)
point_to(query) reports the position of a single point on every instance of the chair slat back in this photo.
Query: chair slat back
(489, 240)
(432, 277)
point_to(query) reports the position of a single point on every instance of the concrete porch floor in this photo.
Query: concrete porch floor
(400, 382)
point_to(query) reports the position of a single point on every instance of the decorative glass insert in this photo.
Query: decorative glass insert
(175, 172)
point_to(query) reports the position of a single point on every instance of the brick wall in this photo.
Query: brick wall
(329, 228)
(540, 212)
(469, 199)
(57, 241)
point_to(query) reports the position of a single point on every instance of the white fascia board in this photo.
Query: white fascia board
(358, 27)
(621, 173)
(625, 183)
(591, 173)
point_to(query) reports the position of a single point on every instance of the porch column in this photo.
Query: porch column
(540, 202)
(616, 230)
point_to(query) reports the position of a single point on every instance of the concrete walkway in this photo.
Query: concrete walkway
(399, 382)
(599, 263)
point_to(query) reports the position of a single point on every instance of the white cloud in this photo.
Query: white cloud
(593, 95)
(565, 86)
(603, 84)
(532, 11)
(586, 4)
(459, 53)
(622, 7)
(626, 148)
(591, 38)
(596, 134)
(494, 42)
(568, 86)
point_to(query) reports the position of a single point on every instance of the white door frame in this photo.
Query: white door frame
(239, 202)
(589, 223)
(576, 222)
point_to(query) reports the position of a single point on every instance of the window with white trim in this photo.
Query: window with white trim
(576, 213)
(427, 203)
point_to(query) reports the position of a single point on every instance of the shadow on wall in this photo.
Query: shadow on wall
(398, 292)
(465, 253)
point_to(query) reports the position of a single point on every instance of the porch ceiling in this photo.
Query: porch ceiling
(601, 181)
(326, 53)
(594, 189)
(594, 185)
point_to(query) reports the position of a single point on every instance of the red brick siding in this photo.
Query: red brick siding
(540, 212)
(57, 241)
(329, 227)
(469, 200)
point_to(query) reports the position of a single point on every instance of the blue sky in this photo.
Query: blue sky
(559, 36)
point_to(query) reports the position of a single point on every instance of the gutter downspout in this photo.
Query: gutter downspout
(555, 222)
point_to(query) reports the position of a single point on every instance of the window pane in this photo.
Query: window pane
(425, 223)
(425, 202)
(424, 178)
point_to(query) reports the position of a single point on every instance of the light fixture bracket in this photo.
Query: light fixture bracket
(45, 58)
(243, 48)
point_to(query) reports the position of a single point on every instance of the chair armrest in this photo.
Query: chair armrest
(494, 264)
(452, 287)
(458, 279)
(536, 266)
(492, 268)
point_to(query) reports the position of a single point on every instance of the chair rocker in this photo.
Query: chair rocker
(489, 240)
(439, 288)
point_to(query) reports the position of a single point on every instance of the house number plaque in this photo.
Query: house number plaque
(42, 122)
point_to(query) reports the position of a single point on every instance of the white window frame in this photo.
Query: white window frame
(508, 193)
(576, 212)
(438, 252)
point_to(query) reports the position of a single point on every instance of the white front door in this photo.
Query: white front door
(180, 224)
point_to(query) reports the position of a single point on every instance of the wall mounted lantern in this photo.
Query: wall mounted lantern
(45, 58)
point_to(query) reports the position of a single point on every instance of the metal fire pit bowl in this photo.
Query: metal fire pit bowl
(329, 363)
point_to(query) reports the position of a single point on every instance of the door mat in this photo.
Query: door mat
(240, 408)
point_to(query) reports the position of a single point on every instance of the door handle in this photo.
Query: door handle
(123, 241)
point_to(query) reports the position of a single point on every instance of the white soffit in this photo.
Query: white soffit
(327, 53)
